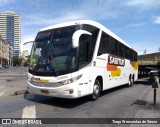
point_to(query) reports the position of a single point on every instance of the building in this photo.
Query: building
(149, 59)
(10, 29)
(5, 57)
(10, 55)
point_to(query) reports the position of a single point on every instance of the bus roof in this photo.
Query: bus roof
(89, 22)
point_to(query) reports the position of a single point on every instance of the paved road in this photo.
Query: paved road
(115, 103)
(11, 80)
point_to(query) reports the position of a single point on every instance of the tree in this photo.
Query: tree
(17, 61)
(20, 61)
(26, 63)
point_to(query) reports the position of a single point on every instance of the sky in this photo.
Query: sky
(135, 21)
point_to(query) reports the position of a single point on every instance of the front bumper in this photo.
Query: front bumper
(67, 91)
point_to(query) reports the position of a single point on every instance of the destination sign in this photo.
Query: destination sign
(44, 34)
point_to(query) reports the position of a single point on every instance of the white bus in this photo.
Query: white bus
(79, 58)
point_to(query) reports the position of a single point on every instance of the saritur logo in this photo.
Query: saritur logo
(114, 60)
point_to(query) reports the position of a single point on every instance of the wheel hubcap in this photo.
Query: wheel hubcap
(96, 89)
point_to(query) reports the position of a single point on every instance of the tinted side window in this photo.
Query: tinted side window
(131, 55)
(104, 46)
(87, 45)
(135, 56)
(121, 50)
(93, 38)
(127, 53)
(113, 46)
(116, 48)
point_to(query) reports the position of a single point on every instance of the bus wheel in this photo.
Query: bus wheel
(130, 81)
(96, 91)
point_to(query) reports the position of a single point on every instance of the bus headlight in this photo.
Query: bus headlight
(68, 81)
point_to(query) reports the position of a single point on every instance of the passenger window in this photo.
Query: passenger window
(113, 46)
(104, 46)
(131, 55)
(127, 53)
(121, 50)
(116, 48)
(135, 56)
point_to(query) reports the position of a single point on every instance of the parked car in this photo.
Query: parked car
(152, 72)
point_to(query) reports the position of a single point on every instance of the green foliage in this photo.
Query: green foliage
(25, 64)
(17, 61)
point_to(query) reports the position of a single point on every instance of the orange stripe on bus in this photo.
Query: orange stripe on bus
(111, 67)
(135, 65)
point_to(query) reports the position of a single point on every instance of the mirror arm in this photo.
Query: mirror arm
(76, 36)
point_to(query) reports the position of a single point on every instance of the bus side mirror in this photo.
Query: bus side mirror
(76, 36)
(32, 42)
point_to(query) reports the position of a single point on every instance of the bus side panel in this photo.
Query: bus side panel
(97, 70)
(84, 82)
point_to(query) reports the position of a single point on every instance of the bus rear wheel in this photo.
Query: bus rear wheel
(96, 91)
(130, 81)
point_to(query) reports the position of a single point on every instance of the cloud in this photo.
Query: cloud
(86, 9)
(5, 2)
(41, 20)
(135, 25)
(100, 9)
(157, 20)
(144, 4)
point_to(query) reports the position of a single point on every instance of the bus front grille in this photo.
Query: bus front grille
(44, 84)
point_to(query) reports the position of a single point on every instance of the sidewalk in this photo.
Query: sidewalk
(147, 109)
(144, 107)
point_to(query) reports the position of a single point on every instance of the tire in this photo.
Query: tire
(130, 81)
(96, 91)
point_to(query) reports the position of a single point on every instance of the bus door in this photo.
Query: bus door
(85, 57)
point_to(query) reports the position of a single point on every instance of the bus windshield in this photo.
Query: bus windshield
(52, 53)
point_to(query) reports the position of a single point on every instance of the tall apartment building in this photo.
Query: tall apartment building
(10, 29)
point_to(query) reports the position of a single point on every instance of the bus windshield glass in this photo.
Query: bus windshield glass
(52, 52)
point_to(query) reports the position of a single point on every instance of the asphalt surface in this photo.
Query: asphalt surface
(120, 102)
